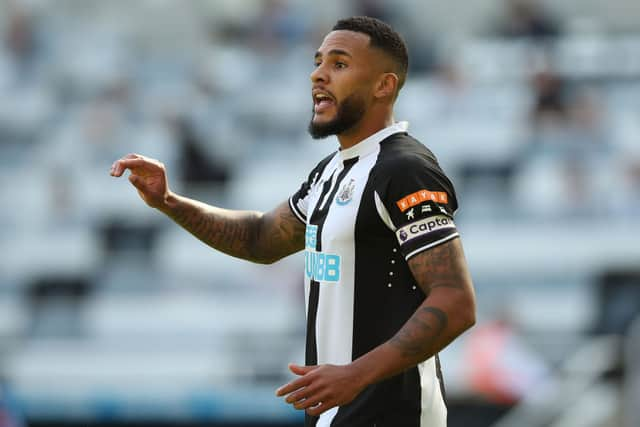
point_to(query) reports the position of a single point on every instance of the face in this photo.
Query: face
(342, 83)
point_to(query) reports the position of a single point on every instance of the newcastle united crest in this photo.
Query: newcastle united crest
(346, 193)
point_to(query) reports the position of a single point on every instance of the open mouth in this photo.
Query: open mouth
(322, 101)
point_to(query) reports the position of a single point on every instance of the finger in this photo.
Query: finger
(127, 157)
(293, 386)
(310, 402)
(301, 370)
(123, 164)
(300, 382)
(133, 163)
(319, 409)
(131, 156)
(301, 394)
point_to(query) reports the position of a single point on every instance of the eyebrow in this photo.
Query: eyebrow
(334, 52)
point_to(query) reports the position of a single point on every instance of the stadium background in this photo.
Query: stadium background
(112, 315)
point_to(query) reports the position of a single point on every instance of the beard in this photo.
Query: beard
(350, 111)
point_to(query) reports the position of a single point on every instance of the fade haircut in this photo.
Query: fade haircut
(383, 37)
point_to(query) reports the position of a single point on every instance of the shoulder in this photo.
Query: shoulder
(402, 156)
(402, 149)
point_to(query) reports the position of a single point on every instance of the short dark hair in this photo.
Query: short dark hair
(381, 36)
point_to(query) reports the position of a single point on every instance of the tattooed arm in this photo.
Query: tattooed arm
(447, 311)
(253, 236)
(449, 308)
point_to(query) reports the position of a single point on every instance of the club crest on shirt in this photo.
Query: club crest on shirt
(346, 193)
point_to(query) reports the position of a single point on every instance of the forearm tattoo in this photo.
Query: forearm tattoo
(418, 335)
(428, 329)
(243, 234)
(229, 233)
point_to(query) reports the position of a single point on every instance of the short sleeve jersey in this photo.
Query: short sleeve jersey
(367, 210)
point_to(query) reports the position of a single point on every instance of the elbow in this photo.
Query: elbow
(260, 259)
(470, 320)
(466, 321)
(469, 313)
(464, 308)
(266, 259)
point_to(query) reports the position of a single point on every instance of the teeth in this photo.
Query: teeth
(322, 99)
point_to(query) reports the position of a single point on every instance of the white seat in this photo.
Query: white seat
(14, 321)
(269, 178)
(174, 314)
(495, 60)
(186, 259)
(61, 251)
(84, 368)
(560, 248)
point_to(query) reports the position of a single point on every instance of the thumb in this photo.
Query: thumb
(301, 370)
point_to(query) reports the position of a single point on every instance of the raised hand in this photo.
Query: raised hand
(147, 175)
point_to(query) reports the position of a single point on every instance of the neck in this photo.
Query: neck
(363, 130)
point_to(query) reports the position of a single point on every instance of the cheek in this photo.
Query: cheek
(348, 82)
(355, 87)
(364, 87)
(361, 96)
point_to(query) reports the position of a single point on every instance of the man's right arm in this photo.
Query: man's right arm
(254, 236)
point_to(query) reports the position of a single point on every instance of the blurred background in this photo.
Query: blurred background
(112, 315)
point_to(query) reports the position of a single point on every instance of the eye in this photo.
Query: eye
(316, 64)
(340, 65)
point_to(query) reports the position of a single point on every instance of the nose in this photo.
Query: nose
(319, 75)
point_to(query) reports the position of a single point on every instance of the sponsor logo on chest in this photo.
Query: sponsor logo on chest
(319, 266)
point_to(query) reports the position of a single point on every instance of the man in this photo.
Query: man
(387, 286)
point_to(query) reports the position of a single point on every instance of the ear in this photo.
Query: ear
(386, 86)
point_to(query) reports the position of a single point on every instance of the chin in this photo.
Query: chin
(322, 120)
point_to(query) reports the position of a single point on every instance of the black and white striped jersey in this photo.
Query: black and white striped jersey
(367, 210)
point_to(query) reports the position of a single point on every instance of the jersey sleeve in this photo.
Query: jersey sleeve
(417, 203)
(299, 201)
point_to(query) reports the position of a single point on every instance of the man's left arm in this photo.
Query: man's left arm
(447, 311)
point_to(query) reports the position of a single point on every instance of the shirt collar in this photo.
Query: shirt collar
(369, 144)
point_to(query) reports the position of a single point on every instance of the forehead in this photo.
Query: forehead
(351, 42)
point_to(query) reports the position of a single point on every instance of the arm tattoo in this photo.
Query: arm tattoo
(243, 234)
(417, 336)
(281, 233)
(430, 328)
(440, 266)
(229, 233)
